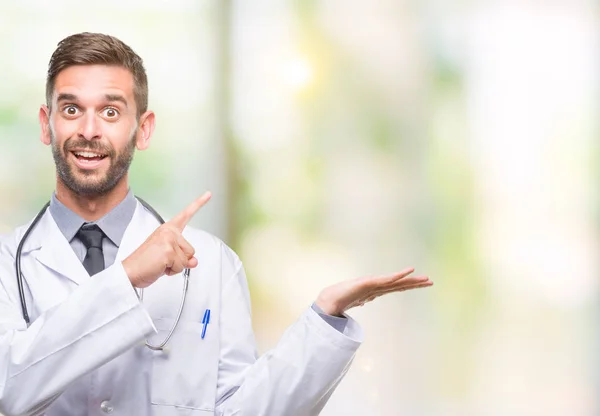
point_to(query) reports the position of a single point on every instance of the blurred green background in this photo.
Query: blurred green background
(344, 138)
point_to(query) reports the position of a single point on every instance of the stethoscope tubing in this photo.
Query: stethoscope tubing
(19, 274)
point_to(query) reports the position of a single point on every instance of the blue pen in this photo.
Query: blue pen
(205, 321)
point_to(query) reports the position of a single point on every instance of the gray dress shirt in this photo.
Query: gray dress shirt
(113, 224)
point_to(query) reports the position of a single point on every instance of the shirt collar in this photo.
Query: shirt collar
(113, 224)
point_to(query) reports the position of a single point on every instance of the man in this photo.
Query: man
(95, 272)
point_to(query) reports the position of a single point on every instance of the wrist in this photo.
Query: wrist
(328, 306)
(130, 273)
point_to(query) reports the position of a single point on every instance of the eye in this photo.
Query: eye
(110, 112)
(71, 110)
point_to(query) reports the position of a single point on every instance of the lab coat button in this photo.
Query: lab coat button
(106, 407)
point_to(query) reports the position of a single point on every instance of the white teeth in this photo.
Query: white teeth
(88, 154)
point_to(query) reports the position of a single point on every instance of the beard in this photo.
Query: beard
(90, 182)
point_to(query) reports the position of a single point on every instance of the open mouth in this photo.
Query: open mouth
(89, 156)
(88, 159)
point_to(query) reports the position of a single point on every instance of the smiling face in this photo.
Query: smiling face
(93, 128)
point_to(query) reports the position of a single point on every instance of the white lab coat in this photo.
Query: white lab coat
(84, 355)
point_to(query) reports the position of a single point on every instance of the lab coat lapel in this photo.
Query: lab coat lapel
(55, 251)
(140, 227)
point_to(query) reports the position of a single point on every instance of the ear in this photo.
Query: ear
(44, 117)
(145, 130)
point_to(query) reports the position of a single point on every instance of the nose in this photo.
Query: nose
(90, 127)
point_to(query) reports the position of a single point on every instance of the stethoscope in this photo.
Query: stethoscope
(186, 275)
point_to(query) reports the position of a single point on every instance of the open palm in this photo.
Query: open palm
(336, 299)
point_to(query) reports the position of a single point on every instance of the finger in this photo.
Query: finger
(402, 288)
(369, 295)
(404, 285)
(390, 279)
(374, 282)
(193, 262)
(179, 261)
(373, 294)
(185, 246)
(182, 219)
(411, 280)
(183, 258)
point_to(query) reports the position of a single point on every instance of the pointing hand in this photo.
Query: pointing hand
(165, 251)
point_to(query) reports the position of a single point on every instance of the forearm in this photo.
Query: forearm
(98, 321)
(298, 376)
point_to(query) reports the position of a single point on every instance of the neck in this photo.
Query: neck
(92, 207)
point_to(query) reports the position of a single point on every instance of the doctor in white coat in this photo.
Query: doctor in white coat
(101, 276)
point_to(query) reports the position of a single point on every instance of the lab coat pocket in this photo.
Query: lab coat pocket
(184, 374)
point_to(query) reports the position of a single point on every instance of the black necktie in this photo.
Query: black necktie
(91, 236)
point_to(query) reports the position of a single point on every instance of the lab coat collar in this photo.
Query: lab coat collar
(56, 253)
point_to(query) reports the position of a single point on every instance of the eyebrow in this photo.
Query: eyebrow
(108, 97)
(116, 97)
(67, 97)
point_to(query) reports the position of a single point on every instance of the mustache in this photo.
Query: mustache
(83, 144)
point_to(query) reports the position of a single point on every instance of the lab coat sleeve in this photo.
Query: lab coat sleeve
(337, 322)
(98, 321)
(296, 378)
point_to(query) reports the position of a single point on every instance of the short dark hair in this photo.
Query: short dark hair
(98, 49)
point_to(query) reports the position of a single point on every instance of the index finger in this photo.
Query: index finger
(381, 281)
(182, 219)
